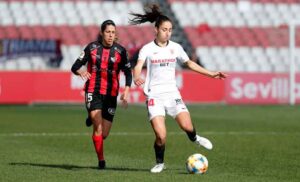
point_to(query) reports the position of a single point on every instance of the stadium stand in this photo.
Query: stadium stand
(231, 35)
(240, 35)
(75, 23)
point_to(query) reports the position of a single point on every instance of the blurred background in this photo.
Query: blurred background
(255, 41)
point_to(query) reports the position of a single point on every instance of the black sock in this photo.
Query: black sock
(159, 153)
(192, 135)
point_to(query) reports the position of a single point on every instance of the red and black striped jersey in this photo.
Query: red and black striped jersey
(104, 65)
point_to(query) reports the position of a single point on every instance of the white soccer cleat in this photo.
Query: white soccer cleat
(201, 141)
(158, 168)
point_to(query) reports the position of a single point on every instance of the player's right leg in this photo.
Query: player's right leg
(159, 128)
(156, 114)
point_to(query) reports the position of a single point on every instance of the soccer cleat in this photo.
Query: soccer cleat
(158, 168)
(88, 122)
(101, 164)
(201, 141)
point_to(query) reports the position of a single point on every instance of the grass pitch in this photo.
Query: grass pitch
(51, 143)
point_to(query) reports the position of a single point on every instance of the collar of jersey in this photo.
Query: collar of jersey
(159, 45)
(106, 47)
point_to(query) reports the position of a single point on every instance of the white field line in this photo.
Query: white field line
(144, 134)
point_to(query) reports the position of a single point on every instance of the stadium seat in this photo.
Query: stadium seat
(249, 34)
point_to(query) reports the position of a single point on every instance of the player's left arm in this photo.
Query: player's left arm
(126, 68)
(199, 69)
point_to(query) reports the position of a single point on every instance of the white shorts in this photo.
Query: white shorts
(171, 103)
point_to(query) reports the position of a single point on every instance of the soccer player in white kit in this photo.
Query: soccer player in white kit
(161, 56)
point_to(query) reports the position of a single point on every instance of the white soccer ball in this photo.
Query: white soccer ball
(197, 164)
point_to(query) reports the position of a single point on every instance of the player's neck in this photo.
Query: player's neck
(161, 44)
(106, 45)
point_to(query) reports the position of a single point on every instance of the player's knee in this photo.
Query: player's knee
(187, 127)
(161, 140)
(105, 135)
(98, 129)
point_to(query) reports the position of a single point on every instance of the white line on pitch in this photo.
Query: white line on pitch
(147, 133)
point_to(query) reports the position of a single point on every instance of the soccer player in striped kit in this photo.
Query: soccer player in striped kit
(160, 87)
(104, 58)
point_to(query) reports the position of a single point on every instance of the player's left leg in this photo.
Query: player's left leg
(106, 126)
(97, 119)
(184, 121)
(88, 121)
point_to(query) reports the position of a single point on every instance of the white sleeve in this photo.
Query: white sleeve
(143, 54)
(182, 56)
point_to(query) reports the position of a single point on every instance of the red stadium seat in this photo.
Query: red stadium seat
(12, 32)
(39, 32)
(52, 32)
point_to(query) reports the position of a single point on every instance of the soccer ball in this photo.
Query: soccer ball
(197, 164)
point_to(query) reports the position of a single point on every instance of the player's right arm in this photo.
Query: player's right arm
(137, 73)
(80, 61)
(139, 66)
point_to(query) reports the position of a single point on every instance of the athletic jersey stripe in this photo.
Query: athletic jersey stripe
(104, 65)
(98, 72)
(103, 68)
(92, 81)
(115, 80)
(89, 69)
(110, 70)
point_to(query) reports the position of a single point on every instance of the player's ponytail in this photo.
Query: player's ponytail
(152, 14)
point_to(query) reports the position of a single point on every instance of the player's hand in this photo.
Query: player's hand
(85, 75)
(139, 81)
(219, 75)
(124, 100)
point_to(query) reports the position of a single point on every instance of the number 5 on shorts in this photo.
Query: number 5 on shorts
(89, 97)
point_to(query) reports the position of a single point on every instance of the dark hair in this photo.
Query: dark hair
(152, 14)
(106, 23)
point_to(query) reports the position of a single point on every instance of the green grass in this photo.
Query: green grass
(251, 143)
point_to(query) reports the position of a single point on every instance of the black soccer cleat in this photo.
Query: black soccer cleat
(101, 164)
(88, 122)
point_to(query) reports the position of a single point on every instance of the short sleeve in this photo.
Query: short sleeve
(84, 55)
(142, 54)
(182, 56)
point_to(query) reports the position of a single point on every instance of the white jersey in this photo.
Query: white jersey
(161, 63)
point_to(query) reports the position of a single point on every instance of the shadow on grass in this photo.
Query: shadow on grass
(74, 167)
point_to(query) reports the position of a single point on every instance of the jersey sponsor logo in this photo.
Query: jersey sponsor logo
(111, 111)
(94, 68)
(95, 55)
(158, 61)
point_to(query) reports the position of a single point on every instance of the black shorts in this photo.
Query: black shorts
(107, 104)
